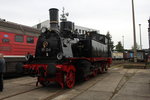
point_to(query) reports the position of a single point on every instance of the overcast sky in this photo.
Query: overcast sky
(114, 16)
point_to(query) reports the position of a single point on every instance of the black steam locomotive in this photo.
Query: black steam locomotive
(64, 56)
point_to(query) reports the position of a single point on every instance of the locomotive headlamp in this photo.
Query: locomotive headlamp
(59, 55)
(44, 29)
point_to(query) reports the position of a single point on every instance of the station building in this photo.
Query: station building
(79, 29)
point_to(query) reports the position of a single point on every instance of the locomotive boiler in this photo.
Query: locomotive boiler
(62, 55)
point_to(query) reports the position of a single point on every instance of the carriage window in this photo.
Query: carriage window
(5, 40)
(19, 38)
(30, 40)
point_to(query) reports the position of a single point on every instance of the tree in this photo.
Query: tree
(119, 47)
(111, 43)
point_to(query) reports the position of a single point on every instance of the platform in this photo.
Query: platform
(118, 84)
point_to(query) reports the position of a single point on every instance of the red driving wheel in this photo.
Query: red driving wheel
(70, 79)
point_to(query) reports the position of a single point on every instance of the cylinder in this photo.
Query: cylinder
(53, 13)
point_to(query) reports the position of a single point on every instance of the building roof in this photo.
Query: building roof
(11, 27)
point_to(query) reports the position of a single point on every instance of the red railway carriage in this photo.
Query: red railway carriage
(15, 42)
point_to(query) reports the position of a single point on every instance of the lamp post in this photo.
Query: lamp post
(134, 33)
(123, 41)
(140, 36)
(149, 32)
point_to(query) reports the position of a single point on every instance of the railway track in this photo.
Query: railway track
(20, 87)
(26, 85)
(24, 88)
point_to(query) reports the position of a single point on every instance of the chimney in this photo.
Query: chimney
(53, 13)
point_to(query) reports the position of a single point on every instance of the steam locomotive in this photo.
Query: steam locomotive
(64, 56)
